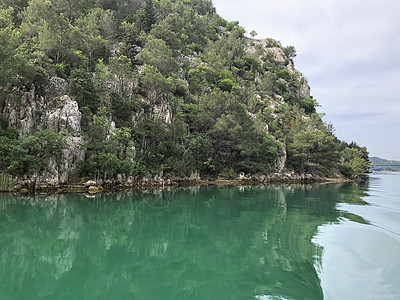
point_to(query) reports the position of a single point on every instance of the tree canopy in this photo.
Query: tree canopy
(164, 87)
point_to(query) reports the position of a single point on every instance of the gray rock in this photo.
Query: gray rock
(57, 86)
(90, 183)
(65, 117)
(72, 156)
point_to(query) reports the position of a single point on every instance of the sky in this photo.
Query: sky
(349, 50)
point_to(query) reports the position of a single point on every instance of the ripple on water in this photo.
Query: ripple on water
(361, 259)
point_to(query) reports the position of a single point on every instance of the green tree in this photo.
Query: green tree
(157, 54)
(171, 31)
(149, 16)
(122, 70)
(14, 68)
(230, 128)
(96, 137)
(121, 109)
(38, 149)
(101, 75)
(199, 154)
(98, 22)
(98, 28)
(309, 105)
(84, 90)
(132, 42)
(44, 144)
(17, 5)
(258, 155)
(154, 85)
(49, 31)
(364, 151)
(72, 9)
(108, 164)
(290, 52)
(353, 161)
(311, 149)
(227, 136)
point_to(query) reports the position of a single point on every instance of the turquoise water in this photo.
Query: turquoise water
(362, 261)
(336, 241)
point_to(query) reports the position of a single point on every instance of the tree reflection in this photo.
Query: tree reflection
(197, 243)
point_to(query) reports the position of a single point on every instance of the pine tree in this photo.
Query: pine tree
(149, 15)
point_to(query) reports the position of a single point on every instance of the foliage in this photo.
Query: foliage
(199, 154)
(96, 146)
(84, 90)
(121, 69)
(312, 148)
(179, 82)
(121, 109)
(154, 85)
(236, 143)
(132, 42)
(290, 52)
(14, 67)
(149, 17)
(157, 54)
(308, 104)
(31, 154)
(161, 150)
(354, 160)
(202, 77)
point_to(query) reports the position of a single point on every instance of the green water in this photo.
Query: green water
(274, 242)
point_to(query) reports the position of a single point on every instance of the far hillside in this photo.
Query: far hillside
(377, 161)
(381, 161)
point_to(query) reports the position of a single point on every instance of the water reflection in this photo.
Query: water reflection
(360, 259)
(194, 243)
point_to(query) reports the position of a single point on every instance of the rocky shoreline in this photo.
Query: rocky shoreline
(94, 187)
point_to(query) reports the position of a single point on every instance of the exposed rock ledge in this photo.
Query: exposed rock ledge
(93, 187)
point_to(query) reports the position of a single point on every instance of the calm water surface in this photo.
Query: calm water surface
(276, 242)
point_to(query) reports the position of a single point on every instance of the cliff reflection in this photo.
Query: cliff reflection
(197, 243)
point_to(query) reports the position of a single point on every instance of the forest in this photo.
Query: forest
(164, 88)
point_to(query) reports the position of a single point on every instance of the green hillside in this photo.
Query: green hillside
(162, 88)
(383, 162)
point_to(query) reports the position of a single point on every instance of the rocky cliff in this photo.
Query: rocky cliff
(162, 91)
(56, 110)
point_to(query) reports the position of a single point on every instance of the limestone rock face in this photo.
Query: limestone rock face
(281, 162)
(73, 155)
(57, 86)
(304, 90)
(25, 115)
(279, 55)
(55, 110)
(275, 49)
(65, 117)
(163, 112)
(64, 169)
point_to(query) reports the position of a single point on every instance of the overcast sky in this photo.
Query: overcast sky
(349, 50)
